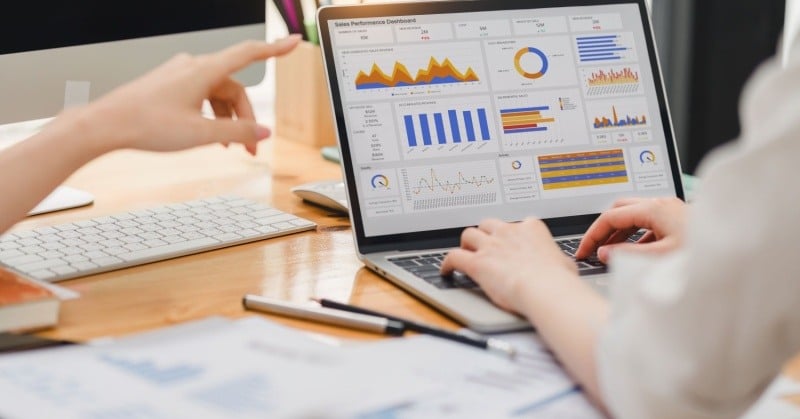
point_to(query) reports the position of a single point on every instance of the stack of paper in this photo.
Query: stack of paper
(254, 368)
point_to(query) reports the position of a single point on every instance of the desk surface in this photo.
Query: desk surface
(294, 267)
(320, 263)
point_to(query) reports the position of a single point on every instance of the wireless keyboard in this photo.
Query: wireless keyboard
(107, 243)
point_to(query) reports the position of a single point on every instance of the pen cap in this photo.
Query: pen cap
(395, 328)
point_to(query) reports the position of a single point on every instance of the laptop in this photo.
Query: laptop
(450, 112)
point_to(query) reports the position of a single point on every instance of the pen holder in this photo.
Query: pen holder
(302, 102)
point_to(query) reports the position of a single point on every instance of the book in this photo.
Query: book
(25, 305)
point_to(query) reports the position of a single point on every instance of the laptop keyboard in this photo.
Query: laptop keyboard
(427, 266)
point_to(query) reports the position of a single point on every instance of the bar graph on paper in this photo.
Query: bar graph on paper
(148, 370)
(242, 395)
(445, 128)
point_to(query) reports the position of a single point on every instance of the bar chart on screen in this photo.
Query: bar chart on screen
(618, 113)
(611, 81)
(542, 119)
(608, 47)
(447, 127)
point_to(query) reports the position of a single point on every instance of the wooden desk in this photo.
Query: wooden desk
(320, 263)
(294, 267)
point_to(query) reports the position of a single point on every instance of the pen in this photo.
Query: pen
(300, 18)
(358, 321)
(490, 344)
(289, 15)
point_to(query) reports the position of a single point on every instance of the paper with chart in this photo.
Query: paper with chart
(479, 384)
(249, 369)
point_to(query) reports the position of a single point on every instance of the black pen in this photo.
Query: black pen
(490, 344)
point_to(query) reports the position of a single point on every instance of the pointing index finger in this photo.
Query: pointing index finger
(239, 56)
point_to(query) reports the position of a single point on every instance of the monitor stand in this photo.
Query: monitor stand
(63, 197)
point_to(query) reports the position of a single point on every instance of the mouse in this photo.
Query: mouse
(329, 194)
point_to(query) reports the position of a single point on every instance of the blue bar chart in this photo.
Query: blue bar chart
(446, 127)
(464, 126)
(605, 48)
(150, 371)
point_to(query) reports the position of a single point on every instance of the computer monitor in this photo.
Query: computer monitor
(61, 53)
(58, 54)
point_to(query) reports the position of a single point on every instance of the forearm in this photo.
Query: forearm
(569, 316)
(35, 166)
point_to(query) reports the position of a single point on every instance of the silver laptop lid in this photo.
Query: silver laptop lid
(452, 112)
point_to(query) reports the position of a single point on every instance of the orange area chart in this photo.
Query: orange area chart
(436, 73)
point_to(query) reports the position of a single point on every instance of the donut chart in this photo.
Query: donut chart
(528, 74)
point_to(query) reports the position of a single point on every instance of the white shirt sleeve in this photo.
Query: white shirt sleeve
(701, 332)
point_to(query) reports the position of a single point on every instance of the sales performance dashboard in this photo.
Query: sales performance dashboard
(452, 118)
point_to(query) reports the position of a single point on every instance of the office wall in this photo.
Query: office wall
(729, 39)
(673, 25)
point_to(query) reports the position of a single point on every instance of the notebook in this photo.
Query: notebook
(450, 112)
(25, 305)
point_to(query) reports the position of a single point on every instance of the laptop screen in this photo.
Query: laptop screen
(451, 118)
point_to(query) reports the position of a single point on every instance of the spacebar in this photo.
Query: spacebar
(168, 250)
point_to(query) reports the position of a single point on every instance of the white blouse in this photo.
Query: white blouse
(700, 333)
